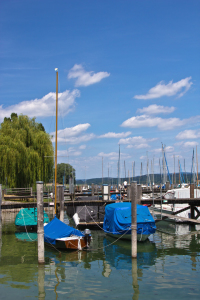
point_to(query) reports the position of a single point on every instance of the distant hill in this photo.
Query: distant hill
(140, 179)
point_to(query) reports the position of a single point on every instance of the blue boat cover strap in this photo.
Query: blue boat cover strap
(57, 229)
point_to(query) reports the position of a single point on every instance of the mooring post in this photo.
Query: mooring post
(92, 189)
(40, 222)
(134, 218)
(192, 196)
(167, 186)
(139, 193)
(61, 194)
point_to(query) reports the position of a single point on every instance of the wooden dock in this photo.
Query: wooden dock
(192, 204)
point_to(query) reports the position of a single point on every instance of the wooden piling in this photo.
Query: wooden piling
(92, 189)
(192, 190)
(167, 185)
(139, 193)
(40, 222)
(192, 213)
(134, 218)
(61, 195)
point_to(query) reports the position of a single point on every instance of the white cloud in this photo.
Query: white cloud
(82, 147)
(43, 107)
(114, 155)
(69, 152)
(73, 131)
(141, 146)
(156, 109)
(168, 149)
(162, 124)
(73, 135)
(188, 134)
(186, 144)
(190, 144)
(147, 121)
(115, 135)
(132, 140)
(170, 89)
(137, 142)
(86, 78)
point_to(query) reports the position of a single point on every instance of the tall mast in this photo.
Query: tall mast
(56, 137)
(119, 181)
(197, 166)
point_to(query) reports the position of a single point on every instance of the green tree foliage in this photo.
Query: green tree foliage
(26, 152)
(64, 170)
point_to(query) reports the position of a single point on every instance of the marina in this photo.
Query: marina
(99, 162)
(167, 266)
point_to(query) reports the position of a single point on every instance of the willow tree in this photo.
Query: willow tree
(26, 152)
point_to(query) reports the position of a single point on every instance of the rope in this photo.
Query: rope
(104, 229)
(110, 243)
(26, 228)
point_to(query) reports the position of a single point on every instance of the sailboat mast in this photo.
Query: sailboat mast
(56, 137)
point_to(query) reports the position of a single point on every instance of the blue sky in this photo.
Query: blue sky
(129, 74)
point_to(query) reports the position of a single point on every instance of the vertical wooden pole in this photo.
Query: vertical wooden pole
(61, 194)
(134, 218)
(167, 185)
(40, 222)
(92, 189)
(56, 138)
(139, 193)
(192, 196)
(108, 192)
(192, 190)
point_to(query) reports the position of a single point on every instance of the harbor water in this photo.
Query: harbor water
(167, 266)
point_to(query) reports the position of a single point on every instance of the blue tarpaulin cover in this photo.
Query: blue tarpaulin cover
(28, 217)
(117, 219)
(57, 229)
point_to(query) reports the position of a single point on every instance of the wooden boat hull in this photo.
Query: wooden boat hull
(72, 243)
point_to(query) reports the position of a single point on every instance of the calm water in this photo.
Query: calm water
(167, 267)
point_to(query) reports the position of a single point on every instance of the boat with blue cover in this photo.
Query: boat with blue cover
(62, 236)
(117, 221)
(26, 219)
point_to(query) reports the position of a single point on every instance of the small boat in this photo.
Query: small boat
(62, 236)
(86, 214)
(117, 221)
(26, 219)
(179, 193)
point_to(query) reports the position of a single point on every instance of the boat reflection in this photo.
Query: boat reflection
(118, 255)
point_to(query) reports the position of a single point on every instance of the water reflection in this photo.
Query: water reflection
(103, 270)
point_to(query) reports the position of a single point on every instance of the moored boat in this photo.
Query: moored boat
(62, 236)
(117, 221)
(26, 219)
